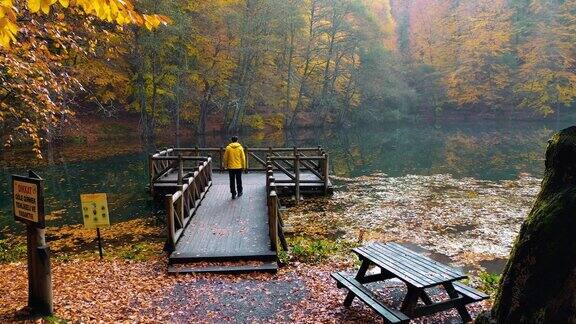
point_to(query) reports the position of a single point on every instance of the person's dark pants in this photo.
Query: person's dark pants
(235, 181)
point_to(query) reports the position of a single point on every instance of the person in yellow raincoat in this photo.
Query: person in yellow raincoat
(235, 163)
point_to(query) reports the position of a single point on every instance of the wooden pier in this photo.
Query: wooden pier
(210, 232)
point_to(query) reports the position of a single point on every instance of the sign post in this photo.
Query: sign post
(28, 207)
(95, 214)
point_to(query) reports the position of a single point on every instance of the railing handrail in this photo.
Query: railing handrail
(181, 205)
(167, 151)
(175, 158)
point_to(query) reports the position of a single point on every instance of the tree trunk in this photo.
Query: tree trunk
(308, 60)
(539, 282)
(288, 106)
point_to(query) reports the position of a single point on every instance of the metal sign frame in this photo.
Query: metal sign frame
(32, 178)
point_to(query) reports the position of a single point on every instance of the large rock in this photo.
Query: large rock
(539, 282)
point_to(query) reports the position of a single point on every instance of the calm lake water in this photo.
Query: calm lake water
(490, 151)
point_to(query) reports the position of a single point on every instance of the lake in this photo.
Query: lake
(483, 151)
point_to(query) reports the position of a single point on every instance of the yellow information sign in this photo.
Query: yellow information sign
(95, 210)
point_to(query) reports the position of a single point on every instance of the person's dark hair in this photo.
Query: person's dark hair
(234, 139)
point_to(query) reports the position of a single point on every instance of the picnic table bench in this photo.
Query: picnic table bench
(417, 272)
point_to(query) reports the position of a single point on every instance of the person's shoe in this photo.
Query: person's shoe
(233, 196)
(240, 194)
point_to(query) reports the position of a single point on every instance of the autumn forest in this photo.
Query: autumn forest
(233, 65)
(259, 161)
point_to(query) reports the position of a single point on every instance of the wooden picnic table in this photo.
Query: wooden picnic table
(418, 273)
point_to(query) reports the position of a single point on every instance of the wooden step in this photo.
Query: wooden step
(179, 258)
(230, 269)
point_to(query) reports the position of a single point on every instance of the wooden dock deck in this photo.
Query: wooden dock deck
(208, 231)
(224, 229)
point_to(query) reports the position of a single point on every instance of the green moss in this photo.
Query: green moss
(310, 250)
(489, 282)
(64, 257)
(137, 252)
(283, 257)
(54, 320)
(11, 252)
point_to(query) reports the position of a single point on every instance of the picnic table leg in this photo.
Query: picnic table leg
(461, 308)
(425, 298)
(410, 300)
(361, 273)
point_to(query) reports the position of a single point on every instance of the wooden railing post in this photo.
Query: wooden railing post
(269, 178)
(180, 170)
(247, 156)
(273, 219)
(221, 168)
(170, 222)
(272, 184)
(209, 166)
(180, 205)
(297, 178)
(198, 177)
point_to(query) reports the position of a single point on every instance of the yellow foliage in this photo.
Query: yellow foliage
(121, 12)
(255, 122)
(277, 121)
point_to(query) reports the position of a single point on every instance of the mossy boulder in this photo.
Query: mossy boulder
(539, 281)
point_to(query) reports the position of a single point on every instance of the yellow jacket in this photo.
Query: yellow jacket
(234, 157)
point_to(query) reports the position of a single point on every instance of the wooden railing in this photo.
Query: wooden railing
(291, 162)
(275, 223)
(293, 166)
(182, 205)
(164, 162)
(255, 156)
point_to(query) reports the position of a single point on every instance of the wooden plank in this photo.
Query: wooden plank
(223, 227)
(265, 267)
(469, 292)
(423, 268)
(393, 267)
(430, 262)
(403, 271)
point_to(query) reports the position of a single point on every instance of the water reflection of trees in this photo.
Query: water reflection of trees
(489, 152)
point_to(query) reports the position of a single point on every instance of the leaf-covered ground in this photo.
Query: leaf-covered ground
(471, 221)
(113, 291)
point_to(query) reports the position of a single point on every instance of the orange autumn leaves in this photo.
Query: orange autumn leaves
(121, 12)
